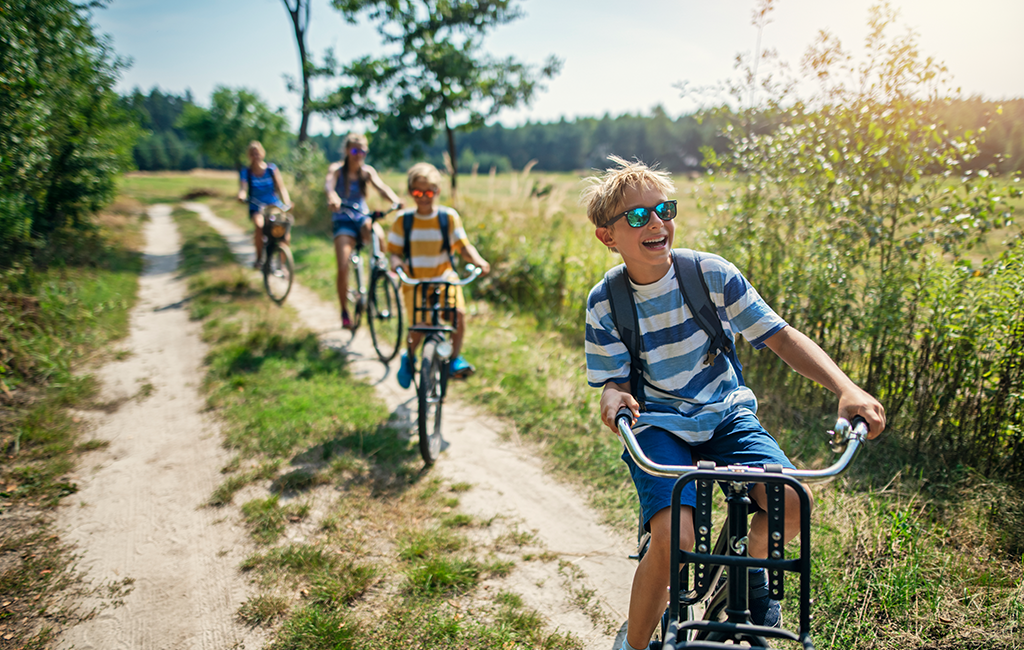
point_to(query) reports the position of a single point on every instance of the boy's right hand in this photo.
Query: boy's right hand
(614, 398)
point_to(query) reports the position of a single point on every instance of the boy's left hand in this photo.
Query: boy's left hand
(858, 402)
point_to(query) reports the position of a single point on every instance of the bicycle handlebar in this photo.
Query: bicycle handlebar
(284, 207)
(845, 438)
(377, 215)
(474, 273)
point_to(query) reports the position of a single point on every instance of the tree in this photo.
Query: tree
(235, 118)
(64, 138)
(438, 76)
(299, 13)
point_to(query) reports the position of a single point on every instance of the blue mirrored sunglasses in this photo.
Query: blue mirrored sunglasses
(639, 217)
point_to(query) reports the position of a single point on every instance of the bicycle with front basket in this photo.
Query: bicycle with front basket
(277, 264)
(379, 299)
(434, 314)
(696, 581)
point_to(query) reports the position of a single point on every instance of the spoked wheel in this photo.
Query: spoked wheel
(385, 315)
(278, 273)
(355, 291)
(430, 394)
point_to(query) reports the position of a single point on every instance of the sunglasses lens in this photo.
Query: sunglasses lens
(638, 217)
(666, 211)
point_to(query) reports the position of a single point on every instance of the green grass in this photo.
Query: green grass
(299, 422)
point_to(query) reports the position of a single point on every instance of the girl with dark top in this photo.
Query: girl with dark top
(260, 182)
(346, 195)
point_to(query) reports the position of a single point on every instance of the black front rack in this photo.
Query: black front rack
(434, 307)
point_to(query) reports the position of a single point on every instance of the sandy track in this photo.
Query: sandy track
(508, 480)
(138, 513)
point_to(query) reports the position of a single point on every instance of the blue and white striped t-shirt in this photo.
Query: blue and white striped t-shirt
(674, 347)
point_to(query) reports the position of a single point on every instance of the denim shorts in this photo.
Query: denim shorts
(348, 223)
(740, 440)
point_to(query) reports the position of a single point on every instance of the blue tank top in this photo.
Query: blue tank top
(353, 200)
(261, 187)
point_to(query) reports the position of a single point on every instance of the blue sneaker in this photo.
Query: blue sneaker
(763, 609)
(460, 368)
(405, 370)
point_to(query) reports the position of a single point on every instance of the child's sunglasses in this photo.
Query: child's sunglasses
(639, 217)
(419, 194)
(356, 151)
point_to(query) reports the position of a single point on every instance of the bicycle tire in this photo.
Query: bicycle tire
(716, 612)
(279, 273)
(384, 315)
(355, 291)
(430, 396)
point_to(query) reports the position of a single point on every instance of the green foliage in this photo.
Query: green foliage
(439, 73)
(235, 118)
(856, 219)
(165, 145)
(63, 135)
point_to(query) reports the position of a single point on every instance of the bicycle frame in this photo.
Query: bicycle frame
(737, 480)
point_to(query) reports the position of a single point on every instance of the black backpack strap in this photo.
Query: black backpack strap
(407, 243)
(623, 309)
(446, 245)
(696, 295)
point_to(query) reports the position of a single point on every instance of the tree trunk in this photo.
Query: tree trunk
(300, 23)
(451, 155)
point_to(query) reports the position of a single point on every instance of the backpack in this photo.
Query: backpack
(442, 222)
(689, 277)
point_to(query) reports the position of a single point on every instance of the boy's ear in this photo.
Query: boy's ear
(604, 235)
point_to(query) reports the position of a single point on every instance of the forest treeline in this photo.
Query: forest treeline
(579, 143)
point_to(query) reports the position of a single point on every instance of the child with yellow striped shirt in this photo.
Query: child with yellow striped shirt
(428, 259)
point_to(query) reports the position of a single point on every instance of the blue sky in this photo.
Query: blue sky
(618, 56)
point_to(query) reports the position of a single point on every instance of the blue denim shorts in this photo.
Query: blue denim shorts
(348, 223)
(740, 440)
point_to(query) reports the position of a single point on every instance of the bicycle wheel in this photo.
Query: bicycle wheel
(356, 289)
(716, 612)
(278, 273)
(430, 394)
(384, 313)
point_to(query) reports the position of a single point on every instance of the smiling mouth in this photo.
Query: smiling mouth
(655, 244)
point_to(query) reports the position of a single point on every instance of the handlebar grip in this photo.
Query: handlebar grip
(624, 413)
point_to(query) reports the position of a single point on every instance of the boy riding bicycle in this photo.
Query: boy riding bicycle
(695, 400)
(422, 241)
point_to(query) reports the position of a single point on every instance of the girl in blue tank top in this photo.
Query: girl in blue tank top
(260, 182)
(346, 195)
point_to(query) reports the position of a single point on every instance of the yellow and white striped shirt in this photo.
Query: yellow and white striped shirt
(426, 247)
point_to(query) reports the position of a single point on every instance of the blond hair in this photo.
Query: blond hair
(255, 145)
(355, 139)
(424, 171)
(604, 192)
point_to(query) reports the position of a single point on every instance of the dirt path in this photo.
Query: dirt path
(508, 480)
(138, 512)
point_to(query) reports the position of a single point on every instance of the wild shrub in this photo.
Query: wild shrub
(856, 218)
